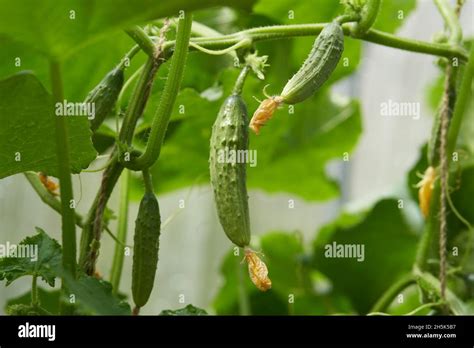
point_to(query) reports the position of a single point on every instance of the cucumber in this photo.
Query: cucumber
(145, 248)
(228, 180)
(104, 96)
(319, 65)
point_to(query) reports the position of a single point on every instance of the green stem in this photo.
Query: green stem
(442, 50)
(90, 237)
(64, 174)
(396, 288)
(34, 291)
(147, 180)
(117, 264)
(239, 84)
(138, 100)
(297, 30)
(142, 40)
(368, 16)
(451, 21)
(463, 97)
(168, 97)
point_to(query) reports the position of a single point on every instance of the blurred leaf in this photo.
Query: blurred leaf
(293, 290)
(28, 128)
(392, 14)
(90, 20)
(43, 258)
(389, 245)
(409, 301)
(25, 310)
(188, 310)
(94, 296)
(48, 300)
(297, 12)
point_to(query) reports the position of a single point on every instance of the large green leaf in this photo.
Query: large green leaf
(27, 140)
(68, 31)
(389, 250)
(41, 259)
(292, 151)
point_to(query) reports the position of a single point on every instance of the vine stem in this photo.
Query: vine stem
(298, 30)
(455, 32)
(368, 16)
(239, 84)
(444, 173)
(168, 97)
(388, 296)
(451, 20)
(64, 174)
(142, 39)
(463, 97)
(117, 264)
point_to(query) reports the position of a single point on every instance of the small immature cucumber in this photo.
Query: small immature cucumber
(319, 65)
(145, 248)
(104, 96)
(230, 134)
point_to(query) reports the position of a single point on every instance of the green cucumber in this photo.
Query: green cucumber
(319, 65)
(104, 96)
(145, 248)
(228, 180)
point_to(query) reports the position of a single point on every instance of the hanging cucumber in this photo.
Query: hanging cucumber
(228, 179)
(316, 69)
(104, 96)
(145, 246)
(230, 134)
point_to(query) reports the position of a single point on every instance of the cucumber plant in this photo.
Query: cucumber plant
(165, 36)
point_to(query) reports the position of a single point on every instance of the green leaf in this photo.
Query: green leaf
(188, 310)
(48, 300)
(321, 129)
(27, 140)
(90, 20)
(94, 296)
(393, 14)
(389, 251)
(43, 258)
(22, 310)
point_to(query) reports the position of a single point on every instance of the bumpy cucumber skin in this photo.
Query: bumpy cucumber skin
(228, 180)
(319, 65)
(105, 95)
(145, 249)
